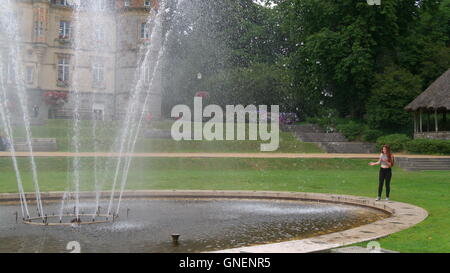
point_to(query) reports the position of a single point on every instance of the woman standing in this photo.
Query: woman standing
(386, 161)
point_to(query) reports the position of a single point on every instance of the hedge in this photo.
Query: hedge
(428, 146)
(396, 142)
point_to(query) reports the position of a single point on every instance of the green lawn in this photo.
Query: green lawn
(427, 189)
(107, 131)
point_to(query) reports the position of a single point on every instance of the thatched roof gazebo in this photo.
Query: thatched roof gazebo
(434, 101)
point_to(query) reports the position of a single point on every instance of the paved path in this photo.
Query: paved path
(213, 155)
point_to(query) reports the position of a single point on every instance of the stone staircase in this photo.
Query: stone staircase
(33, 122)
(348, 147)
(331, 142)
(38, 144)
(321, 137)
(423, 164)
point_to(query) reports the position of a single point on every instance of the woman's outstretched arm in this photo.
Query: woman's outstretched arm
(376, 163)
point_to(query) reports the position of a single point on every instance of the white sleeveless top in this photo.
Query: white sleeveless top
(384, 161)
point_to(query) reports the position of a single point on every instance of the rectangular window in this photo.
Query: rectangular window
(10, 71)
(126, 3)
(147, 3)
(61, 2)
(30, 74)
(146, 77)
(63, 70)
(145, 31)
(98, 73)
(64, 29)
(38, 29)
(99, 34)
(104, 4)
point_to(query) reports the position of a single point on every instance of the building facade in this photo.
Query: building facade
(106, 59)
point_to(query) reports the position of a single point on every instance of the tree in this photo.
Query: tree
(219, 40)
(258, 84)
(336, 47)
(393, 90)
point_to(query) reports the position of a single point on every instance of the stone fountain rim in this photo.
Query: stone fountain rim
(402, 215)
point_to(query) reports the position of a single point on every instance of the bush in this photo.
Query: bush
(396, 141)
(428, 146)
(371, 135)
(351, 130)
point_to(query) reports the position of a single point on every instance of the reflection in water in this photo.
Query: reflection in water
(204, 225)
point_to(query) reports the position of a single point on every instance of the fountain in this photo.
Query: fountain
(155, 221)
(168, 221)
(86, 13)
(12, 93)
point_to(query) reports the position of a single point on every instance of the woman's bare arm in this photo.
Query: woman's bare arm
(376, 163)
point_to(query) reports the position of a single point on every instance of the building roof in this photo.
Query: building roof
(436, 96)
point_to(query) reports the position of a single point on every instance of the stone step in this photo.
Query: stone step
(426, 166)
(32, 121)
(426, 169)
(331, 142)
(423, 164)
(348, 147)
(320, 137)
(38, 145)
(304, 128)
(425, 160)
(157, 134)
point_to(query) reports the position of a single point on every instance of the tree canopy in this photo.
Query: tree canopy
(362, 61)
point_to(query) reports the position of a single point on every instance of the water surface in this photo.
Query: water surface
(204, 225)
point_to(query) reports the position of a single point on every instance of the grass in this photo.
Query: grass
(427, 189)
(62, 131)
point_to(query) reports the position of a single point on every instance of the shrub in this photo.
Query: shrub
(396, 141)
(371, 135)
(428, 146)
(351, 130)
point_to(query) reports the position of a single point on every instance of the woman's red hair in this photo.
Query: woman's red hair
(388, 153)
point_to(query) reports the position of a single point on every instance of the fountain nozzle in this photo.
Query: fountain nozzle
(175, 238)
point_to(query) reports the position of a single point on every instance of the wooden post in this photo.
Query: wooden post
(420, 120)
(436, 121)
(415, 122)
(444, 120)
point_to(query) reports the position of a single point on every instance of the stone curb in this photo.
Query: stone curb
(402, 216)
(216, 155)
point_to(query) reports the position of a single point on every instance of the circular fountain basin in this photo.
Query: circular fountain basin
(206, 221)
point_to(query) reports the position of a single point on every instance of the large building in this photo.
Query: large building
(105, 61)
